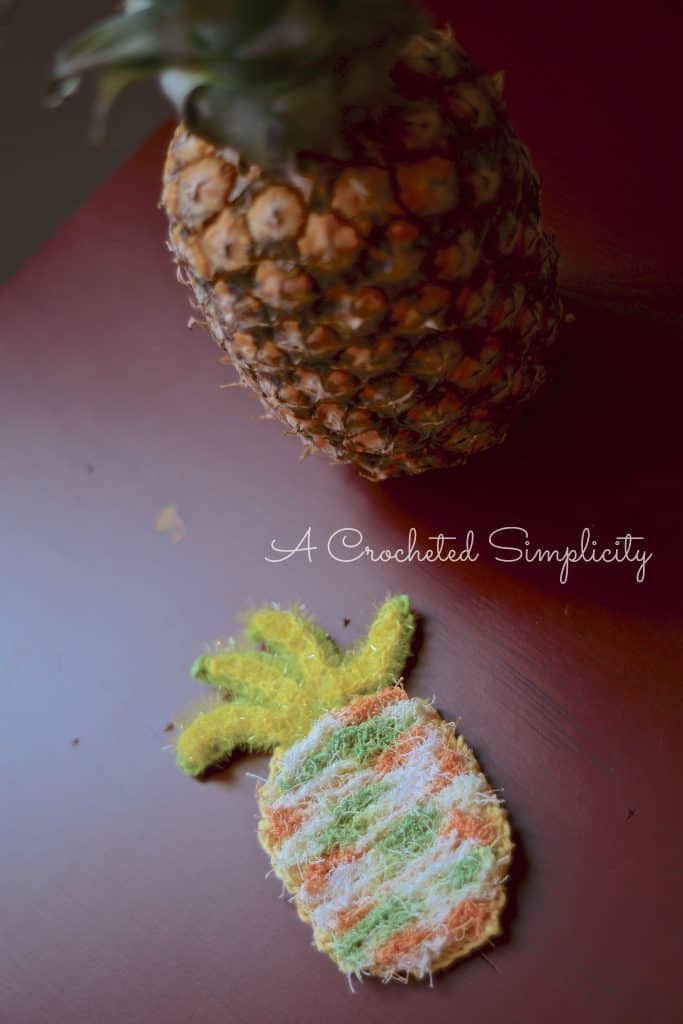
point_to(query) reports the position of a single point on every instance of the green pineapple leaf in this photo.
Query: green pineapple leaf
(265, 76)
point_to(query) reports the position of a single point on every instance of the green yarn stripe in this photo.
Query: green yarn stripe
(374, 929)
(355, 947)
(356, 743)
(352, 818)
(466, 871)
(409, 837)
(393, 858)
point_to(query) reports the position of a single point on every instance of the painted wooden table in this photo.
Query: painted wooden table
(130, 893)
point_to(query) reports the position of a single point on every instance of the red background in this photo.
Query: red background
(129, 893)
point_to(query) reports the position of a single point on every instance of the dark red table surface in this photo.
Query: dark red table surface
(129, 893)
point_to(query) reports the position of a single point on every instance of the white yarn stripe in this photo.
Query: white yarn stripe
(411, 782)
(405, 793)
(342, 779)
(320, 732)
(349, 886)
(377, 876)
(324, 791)
(419, 958)
(402, 711)
(358, 881)
(426, 886)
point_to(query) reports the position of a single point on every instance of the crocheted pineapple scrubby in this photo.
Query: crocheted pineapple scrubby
(383, 827)
(375, 814)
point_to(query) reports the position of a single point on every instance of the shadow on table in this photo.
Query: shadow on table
(600, 449)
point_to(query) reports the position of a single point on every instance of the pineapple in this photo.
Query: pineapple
(358, 222)
(375, 815)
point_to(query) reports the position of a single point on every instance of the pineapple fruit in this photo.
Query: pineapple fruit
(358, 222)
(375, 815)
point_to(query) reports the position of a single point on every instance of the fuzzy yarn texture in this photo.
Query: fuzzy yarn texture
(270, 697)
(392, 842)
(375, 814)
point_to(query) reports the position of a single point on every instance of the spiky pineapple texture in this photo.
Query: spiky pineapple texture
(394, 309)
(367, 248)
(375, 815)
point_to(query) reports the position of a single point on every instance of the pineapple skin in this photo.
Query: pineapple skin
(393, 309)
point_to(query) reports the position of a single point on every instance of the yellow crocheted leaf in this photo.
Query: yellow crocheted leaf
(249, 674)
(271, 698)
(295, 640)
(380, 659)
(213, 735)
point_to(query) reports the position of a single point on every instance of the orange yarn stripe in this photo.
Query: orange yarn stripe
(369, 706)
(317, 872)
(348, 918)
(399, 751)
(285, 821)
(450, 764)
(462, 926)
(465, 922)
(398, 945)
(469, 826)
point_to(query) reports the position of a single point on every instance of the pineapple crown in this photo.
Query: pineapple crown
(264, 76)
(284, 675)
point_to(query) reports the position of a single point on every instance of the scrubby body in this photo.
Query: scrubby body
(382, 826)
